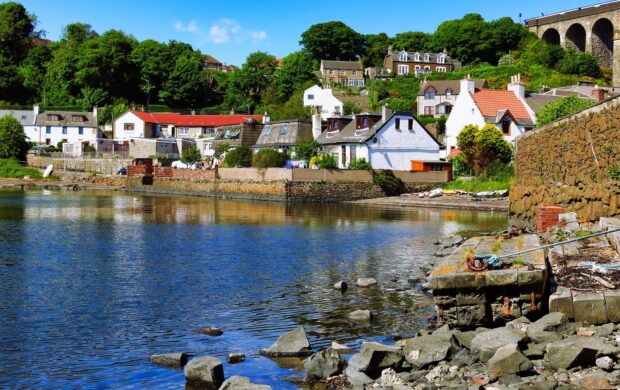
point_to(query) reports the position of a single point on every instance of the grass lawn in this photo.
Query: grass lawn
(12, 169)
(479, 184)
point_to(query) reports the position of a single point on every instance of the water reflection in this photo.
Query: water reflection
(92, 283)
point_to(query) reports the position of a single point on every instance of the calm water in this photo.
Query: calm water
(91, 283)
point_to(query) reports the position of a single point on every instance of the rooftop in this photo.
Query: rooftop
(491, 101)
(194, 120)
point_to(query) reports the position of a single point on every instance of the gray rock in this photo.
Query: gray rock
(342, 286)
(360, 315)
(211, 331)
(366, 282)
(570, 352)
(508, 360)
(605, 362)
(241, 383)
(535, 351)
(235, 358)
(341, 348)
(463, 339)
(324, 364)
(206, 372)
(170, 360)
(605, 330)
(357, 378)
(486, 343)
(293, 343)
(374, 358)
(551, 322)
(424, 350)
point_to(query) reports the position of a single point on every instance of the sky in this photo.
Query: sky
(229, 30)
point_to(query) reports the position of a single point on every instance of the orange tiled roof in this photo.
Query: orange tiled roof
(490, 101)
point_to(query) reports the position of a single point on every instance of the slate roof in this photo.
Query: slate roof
(491, 101)
(25, 117)
(179, 120)
(536, 101)
(441, 86)
(295, 130)
(341, 65)
(66, 119)
(209, 59)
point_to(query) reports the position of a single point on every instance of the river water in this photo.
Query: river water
(91, 283)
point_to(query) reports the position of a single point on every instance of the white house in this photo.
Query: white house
(51, 127)
(387, 141)
(323, 100)
(505, 109)
(437, 97)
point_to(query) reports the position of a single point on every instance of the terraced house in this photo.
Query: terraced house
(347, 73)
(404, 62)
(51, 127)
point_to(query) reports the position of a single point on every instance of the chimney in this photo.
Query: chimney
(386, 112)
(544, 89)
(193, 112)
(266, 118)
(36, 110)
(599, 94)
(517, 86)
(468, 85)
(142, 108)
(232, 111)
(95, 112)
(316, 124)
(390, 48)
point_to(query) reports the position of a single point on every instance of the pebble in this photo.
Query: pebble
(211, 331)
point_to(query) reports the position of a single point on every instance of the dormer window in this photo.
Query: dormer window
(429, 94)
(416, 57)
(441, 59)
(427, 57)
(53, 117)
(449, 94)
(403, 55)
(77, 118)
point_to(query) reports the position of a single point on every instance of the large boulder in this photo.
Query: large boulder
(241, 383)
(486, 343)
(374, 358)
(293, 343)
(424, 350)
(576, 351)
(551, 322)
(205, 372)
(171, 360)
(324, 364)
(508, 360)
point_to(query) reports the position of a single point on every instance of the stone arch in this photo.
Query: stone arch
(551, 36)
(576, 38)
(603, 42)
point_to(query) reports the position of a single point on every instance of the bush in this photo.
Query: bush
(324, 161)
(305, 149)
(459, 166)
(359, 163)
(59, 144)
(350, 108)
(191, 155)
(582, 64)
(560, 108)
(482, 147)
(220, 149)
(13, 142)
(11, 168)
(390, 184)
(239, 157)
(269, 158)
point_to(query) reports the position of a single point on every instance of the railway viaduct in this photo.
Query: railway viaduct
(593, 29)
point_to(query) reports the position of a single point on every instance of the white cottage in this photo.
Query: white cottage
(52, 127)
(324, 101)
(505, 109)
(387, 141)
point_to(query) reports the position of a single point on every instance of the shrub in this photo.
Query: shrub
(191, 155)
(327, 161)
(239, 157)
(560, 108)
(305, 149)
(13, 142)
(269, 158)
(390, 184)
(481, 147)
(220, 149)
(359, 163)
(351, 108)
(59, 144)
(11, 168)
(582, 64)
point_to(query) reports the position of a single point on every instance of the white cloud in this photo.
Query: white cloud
(222, 31)
(190, 27)
(258, 36)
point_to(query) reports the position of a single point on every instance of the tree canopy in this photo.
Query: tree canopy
(333, 41)
(560, 108)
(13, 142)
(482, 147)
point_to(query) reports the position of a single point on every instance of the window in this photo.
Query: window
(183, 130)
(417, 69)
(441, 59)
(77, 118)
(427, 69)
(427, 57)
(416, 57)
(365, 122)
(397, 123)
(23, 117)
(440, 69)
(410, 124)
(429, 94)
(429, 110)
(310, 97)
(335, 125)
(331, 71)
(403, 56)
(355, 82)
(53, 117)
(283, 129)
(449, 94)
(342, 73)
(506, 126)
(403, 69)
(354, 73)
(128, 126)
(80, 130)
(267, 129)
(64, 130)
(48, 129)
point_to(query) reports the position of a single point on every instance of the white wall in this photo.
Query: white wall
(434, 102)
(395, 148)
(119, 127)
(330, 105)
(39, 134)
(465, 112)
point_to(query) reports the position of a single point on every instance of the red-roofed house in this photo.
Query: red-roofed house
(505, 109)
(139, 124)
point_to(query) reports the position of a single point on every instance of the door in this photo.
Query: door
(343, 153)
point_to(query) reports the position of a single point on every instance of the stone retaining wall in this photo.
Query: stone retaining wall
(99, 165)
(574, 163)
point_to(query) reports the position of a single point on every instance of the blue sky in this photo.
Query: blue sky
(231, 29)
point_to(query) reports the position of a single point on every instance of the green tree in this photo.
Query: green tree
(248, 84)
(16, 32)
(377, 47)
(292, 109)
(537, 52)
(191, 155)
(412, 41)
(482, 147)
(239, 157)
(325, 161)
(298, 69)
(33, 69)
(187, 83)
(389, 183)
(154, 62)
(11, 82)
(13, 143)
(351, 108)
(581, 64)
(269, 158)
(306, 148)
(560, 108)
(333, 41)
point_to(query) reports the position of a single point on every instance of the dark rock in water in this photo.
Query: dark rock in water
(211, 331)
(508, 360)
(360, 315)
(424, 350)
(324, 364)
(205, 372)
(486, 343)
(170, 360)
(342, 286)
(293, 343)
(366, 282)
(235, 358)
(241, 383)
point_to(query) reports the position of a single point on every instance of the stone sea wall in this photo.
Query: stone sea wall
(98, 165)
(574, 163)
